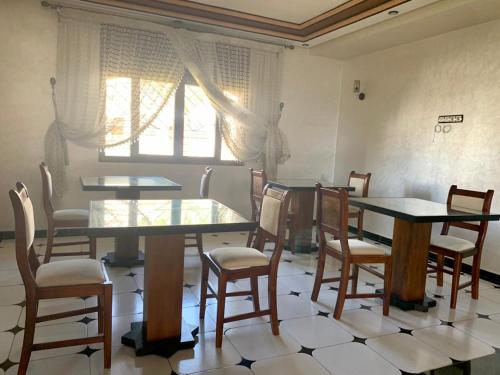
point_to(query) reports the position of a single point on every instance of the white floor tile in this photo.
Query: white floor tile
(236, 308)
(191, 316)
(480, 306)
(327, 300)
(492, 294)
(189, 298)
(483, 329)
(123, 284)
(316, 331)
(233, 370)
(127, 304)
(11, 295)
(407, 353)
(75, 364)
(408, 319)
(53, 306)
(6, 339)
(293, 364)
(354, 359)
(442, 311)
(365, 324)
(258, 342)
(205, 356)
(453, 342)
(10, 277)
(50, 333)
(9, 316)
(290, 307)
(121, 325)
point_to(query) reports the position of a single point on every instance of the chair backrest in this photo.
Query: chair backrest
(360, 182)
(205, 182)
(27, 260)
(460, 199)
(258, 180)
(46, 190)
(332, 214)
(272, 222)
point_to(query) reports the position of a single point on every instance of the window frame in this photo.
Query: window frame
(177, 158)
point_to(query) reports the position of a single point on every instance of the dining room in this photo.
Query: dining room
(219, 187)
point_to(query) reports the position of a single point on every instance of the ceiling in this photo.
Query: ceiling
(299, 22)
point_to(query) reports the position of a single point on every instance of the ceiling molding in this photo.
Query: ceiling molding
(346, 14)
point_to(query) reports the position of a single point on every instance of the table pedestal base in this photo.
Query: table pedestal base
(113, 261)
(419, 305)
(135, 338)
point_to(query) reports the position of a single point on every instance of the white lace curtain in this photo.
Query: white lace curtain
(242, 83)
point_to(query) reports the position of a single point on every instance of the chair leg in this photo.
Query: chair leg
(291, 238)
(387, 285)
(254, 281)
(250, 238)
(100, 314)
(273, 305)
(455, 282)
(204, 287)
(221, 302)
(360, 225)
(199, 243)
(344, 281)
(439, 269)
(354, 282)
(320, 268)
(93, 248)
(108, 313)
(29, 334)
(476, 268)
(50, 243)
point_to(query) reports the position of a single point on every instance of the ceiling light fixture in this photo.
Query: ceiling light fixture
(393, 12)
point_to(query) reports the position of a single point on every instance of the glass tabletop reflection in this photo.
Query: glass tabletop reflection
(106, 183)
(304, 184)
(159, 216)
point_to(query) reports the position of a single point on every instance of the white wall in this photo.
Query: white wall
(390, 133)
(28, 36)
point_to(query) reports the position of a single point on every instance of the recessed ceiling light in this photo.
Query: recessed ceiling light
(393, 12)
(305, 45)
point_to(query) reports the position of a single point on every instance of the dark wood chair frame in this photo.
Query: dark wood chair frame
(53, 225)
(332, 216)
(360, 214)
(252, 273)
(258, 180)
(204, 189)
(457, 257)
(28, 264)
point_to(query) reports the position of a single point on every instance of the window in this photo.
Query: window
(185, 131)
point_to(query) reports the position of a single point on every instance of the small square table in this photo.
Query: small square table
(127, 252)
(302, 205)
(411, 240)
(164, 223)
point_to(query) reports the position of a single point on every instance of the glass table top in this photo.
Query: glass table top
(420, 210)
(304, 184)
(163, 216)
(107, 183)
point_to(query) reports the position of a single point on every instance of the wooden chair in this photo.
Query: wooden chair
(233, 263)
(64, 279)
(332, 216)
(68, 218)
(204, 188)
(258, 180)
(361, 183)
(444, 245)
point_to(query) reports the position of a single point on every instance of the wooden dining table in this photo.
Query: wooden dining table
(164, 223)
(303, 191)
(413, 220)
(126, 252)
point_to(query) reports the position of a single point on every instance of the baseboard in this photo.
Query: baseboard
(484, 275)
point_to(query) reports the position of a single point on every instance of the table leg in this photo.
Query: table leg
(127, 253)
(303, 209)
(161, 331)
(410, 247)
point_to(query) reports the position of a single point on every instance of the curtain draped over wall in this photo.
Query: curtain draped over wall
(241, 79)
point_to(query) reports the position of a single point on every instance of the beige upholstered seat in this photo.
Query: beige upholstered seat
(70, 272)
(451, 243)
(71, 215)
(358, 247)
(233, 258)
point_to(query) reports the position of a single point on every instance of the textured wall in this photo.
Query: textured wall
(28, 35)
(390, 133)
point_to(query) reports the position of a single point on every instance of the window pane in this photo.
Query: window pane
(118, 98)
(199, 123)
(158, 139)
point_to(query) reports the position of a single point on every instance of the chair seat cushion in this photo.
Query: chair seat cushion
(451, 243)
(358, 247)
(70, 272)
(233, 258)
(71, 215)
(353, 210)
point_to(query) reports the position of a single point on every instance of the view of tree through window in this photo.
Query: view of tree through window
(185, 129)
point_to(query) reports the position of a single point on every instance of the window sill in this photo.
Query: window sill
(167, 160)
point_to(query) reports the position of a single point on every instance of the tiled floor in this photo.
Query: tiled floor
(441, 342)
